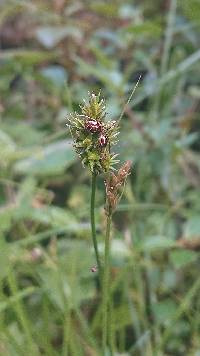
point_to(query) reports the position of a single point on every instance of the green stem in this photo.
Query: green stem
(18, 307)
(92, 215)
(106, 323)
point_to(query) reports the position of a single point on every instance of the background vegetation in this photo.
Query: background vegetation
(52, 53)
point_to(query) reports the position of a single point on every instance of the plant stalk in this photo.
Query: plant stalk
(106, 286)
(92, 216)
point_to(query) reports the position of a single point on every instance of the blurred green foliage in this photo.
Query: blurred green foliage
(52, 53)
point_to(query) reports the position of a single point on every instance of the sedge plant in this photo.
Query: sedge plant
(94, 138)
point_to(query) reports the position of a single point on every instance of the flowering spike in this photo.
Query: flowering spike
(93, 136)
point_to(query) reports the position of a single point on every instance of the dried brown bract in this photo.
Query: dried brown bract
(113, 185)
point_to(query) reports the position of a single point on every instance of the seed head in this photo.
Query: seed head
(93, 136)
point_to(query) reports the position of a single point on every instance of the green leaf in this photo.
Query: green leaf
(53, 285)
(18, 296)
(25, 57)
(6, 217)
(47, 215)
(7, 148)
(181, 258)
(49, 160)
(153, 243)
(4, 258)
(148, 28)
(164, 311)
(192, 228)
(22, 132)
(105, 9)
(191, 9)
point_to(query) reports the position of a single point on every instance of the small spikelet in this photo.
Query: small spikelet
(95, 109)
(113, 185)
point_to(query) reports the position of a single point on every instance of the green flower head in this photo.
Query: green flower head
(93, 136)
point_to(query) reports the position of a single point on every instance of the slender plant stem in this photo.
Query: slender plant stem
(168, 36)
(166, 50)
(106, 323)
(92, 215)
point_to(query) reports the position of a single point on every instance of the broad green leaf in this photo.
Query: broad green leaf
(49, 215)
(153, 243)
(192, 228)
(181, 258)
(23, 133)
(164, 310)
(49, 160)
